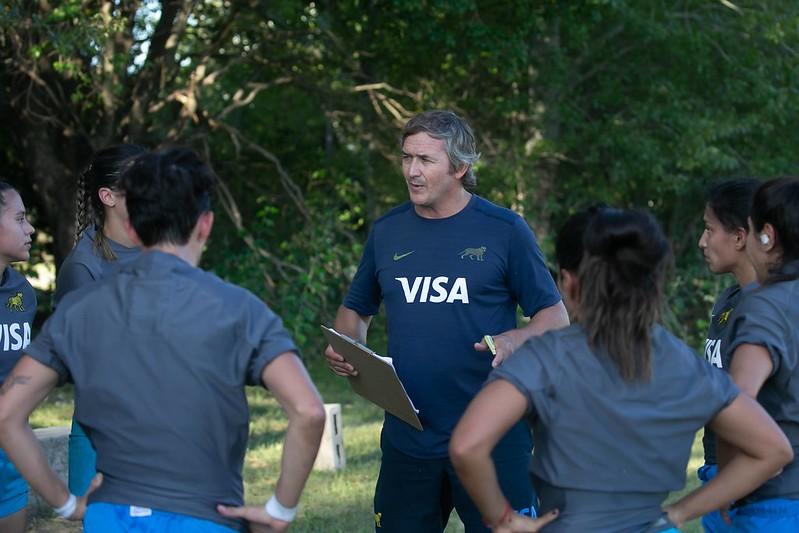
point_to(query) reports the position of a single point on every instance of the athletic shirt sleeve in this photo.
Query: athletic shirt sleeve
(364, 296)
(526, 371)
(529, 279)
(44, 347)
(268, 337)
(759, 321)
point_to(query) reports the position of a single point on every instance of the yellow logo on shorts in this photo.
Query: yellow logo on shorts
(723, 317)
(15, 303)
(378, 516)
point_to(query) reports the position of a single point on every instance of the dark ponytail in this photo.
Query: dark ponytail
(621, 287)
(102, 171)
(776, 202)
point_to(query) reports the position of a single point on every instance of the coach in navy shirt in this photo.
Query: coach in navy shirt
(450, 267)
(160, 354)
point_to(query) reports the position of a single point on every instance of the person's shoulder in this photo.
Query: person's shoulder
(392, 214)
(236, 296)
(493, 211)
(550, 341)
(83, 254)
(13, 279)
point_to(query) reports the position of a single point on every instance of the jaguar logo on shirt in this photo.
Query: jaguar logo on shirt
(16, 303)
(724, 317)
(378, 516)
(473, 253)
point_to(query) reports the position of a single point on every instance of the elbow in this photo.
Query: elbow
(461, 450)
(784, 453)
(310, 416)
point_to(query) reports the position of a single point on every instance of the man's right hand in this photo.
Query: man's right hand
(338, 364)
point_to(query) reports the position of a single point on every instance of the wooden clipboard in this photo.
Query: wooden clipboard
(377, 381)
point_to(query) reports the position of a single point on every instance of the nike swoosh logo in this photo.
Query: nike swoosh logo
(397, 256)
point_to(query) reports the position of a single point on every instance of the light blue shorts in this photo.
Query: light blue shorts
(114, 518)
(776, 515)
(13, 488)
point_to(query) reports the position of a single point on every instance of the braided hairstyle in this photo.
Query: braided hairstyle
(103, 171)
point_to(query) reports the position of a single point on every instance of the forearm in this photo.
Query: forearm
(741, 475)
(299, 452)
(479, 477)
(553, 317)
(20, 444)
(352, 324)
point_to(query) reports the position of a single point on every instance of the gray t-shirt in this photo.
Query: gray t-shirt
(769, 317)
(608, 451)
(719, 318)
(160, 354)
(83, 265)
(17, 309)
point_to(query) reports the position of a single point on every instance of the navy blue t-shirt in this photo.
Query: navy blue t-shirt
(445, 283)
(723, 308)
(17, 309)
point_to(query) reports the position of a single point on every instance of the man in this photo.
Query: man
(450, 267)
(159, 355)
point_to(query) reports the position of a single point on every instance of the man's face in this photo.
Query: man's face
(720, 247)
(15, 230)
(432, 185)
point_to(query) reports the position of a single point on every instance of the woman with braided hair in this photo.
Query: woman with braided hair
(101, 245)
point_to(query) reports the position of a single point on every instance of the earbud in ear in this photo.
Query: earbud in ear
(764, 239)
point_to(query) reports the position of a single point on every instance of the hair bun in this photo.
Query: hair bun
(630, 240)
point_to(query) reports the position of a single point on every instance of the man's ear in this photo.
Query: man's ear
(460, 172)
(107, 196)
(204, 226)
(132, 235)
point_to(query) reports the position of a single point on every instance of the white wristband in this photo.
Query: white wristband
(68, 509)
(276, 510)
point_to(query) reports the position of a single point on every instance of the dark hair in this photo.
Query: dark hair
(4, 187)
(621, 287)
(457, 136)
(731, 201)
(166, 192)
(569, 242)
(776, 202)
(102, 171)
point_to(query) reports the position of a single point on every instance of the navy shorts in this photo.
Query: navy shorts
(419, 494)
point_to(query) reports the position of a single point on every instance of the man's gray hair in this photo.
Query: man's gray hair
(457, 136)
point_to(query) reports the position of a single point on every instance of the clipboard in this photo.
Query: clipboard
(377, 380)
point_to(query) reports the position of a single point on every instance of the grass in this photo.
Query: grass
(333, 502)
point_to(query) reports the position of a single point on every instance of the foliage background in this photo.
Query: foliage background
(298, 106)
